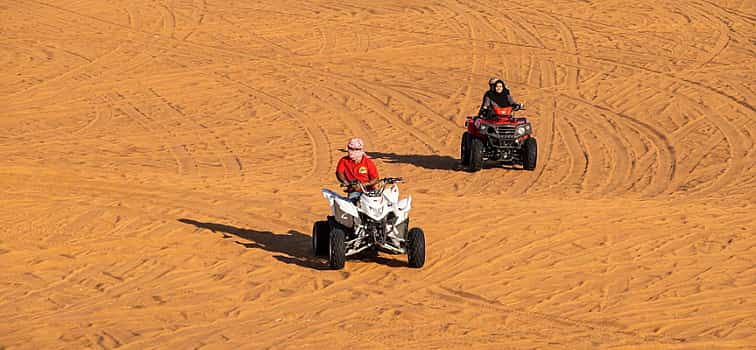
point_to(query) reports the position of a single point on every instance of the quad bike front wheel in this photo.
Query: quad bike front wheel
(529, 154)
(336, 249)
(476, 154)
(320, 233)
(416, 247)
(464, 149)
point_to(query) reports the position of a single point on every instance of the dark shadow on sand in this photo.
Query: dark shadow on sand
(427, 161)
(434, 161)
(294, 247)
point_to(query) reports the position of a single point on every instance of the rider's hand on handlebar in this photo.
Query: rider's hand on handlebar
(348, 184)
(392, 180)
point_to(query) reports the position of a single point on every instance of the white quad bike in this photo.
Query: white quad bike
(378, 221)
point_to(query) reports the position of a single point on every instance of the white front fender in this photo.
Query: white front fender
(330, 196)
(341, 207)
(347, 207)
(404, 204)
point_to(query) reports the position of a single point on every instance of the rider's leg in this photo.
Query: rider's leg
(354, 196)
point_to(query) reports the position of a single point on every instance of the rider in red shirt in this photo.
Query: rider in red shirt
(356, 166)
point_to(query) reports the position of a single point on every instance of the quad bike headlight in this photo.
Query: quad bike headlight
(522, 130)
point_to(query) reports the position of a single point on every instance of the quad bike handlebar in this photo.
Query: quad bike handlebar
(488, 113)
(392, 180)
(378, 190)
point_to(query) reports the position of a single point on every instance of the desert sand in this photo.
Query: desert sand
(162, 164)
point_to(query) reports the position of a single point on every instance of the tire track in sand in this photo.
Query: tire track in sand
(185, 163)
(232, 167)
(321, 154)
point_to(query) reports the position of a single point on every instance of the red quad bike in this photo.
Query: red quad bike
(498, 136)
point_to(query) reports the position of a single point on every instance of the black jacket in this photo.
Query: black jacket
(491, 98)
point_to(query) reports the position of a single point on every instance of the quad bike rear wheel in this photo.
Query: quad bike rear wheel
(336, 249)
(529, 154)
(320, 233)
(476, 154)
(416, 247)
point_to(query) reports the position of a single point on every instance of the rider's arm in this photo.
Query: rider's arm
(486, 102)
(340, 170)
(511, 100)
(342, 179)
(372, 173)
(486, 106)
(373, 182)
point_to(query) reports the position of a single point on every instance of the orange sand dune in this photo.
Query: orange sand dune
(162, 164)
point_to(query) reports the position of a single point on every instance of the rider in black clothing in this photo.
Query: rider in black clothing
(498, 96)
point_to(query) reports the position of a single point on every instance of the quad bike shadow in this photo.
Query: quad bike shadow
(436, 162)
(426, 161)
(292, 248)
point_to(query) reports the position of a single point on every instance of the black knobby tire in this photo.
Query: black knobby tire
(464, 149)
(529, 154)
(336, 249)
(320, 233)
(416, 247)
(476, 154)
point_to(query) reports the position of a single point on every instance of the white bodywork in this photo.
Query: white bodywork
(376, 207)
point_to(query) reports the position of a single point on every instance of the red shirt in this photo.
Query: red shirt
(363, 171)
